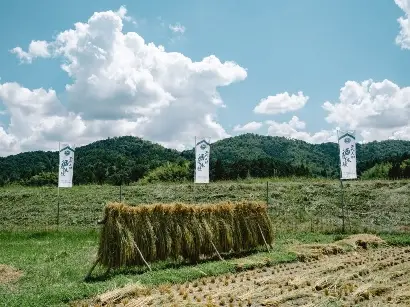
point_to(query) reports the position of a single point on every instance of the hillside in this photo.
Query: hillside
(127, 159)
(295, 152)
(108, 161)
(321, 159)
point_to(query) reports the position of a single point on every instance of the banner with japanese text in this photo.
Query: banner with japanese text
(202, 151)
(66, 165)
(347, 149)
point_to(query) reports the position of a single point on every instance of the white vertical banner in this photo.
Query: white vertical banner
(66, 165)
(347, 151)
(202, 151)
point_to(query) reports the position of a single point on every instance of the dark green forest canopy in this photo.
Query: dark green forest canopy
(127, 159)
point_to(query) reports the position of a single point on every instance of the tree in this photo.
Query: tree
(219, 171)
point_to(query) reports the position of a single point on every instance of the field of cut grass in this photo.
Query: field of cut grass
(294, 205)
(43, 266)
(53, 265)
(375, 277)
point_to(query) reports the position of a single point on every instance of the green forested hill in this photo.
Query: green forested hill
(127, 159)
(296, 152)
(107, 161)
(253, 147)
(320, 159)
(316, 157)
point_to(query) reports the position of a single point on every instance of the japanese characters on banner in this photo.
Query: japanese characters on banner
(347, 147)
(66, 164)
(202, 150)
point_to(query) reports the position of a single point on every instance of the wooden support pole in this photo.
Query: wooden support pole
(142, 257)
(219, 255)
(87, 277)
(266, 243)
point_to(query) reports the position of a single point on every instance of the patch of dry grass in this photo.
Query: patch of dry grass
(307, 252)
(9, 274)
(118, 295)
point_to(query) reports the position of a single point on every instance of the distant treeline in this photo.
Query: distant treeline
(394, 168)
(123, 160)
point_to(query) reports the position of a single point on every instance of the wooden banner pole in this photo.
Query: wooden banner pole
(343, 206)
(341, 188)
(58, 187)
(267, 193)
(195, 169)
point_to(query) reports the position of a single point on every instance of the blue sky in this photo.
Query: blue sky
(285, 46)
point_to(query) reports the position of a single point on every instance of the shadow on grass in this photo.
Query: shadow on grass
(164, 265)
(277, 249)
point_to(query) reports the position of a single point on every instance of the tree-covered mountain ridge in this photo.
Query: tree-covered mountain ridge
(318, 158)
(128, 159)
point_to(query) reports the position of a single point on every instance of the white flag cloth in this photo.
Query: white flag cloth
(66, 164)
(347, 150)
(202, 151)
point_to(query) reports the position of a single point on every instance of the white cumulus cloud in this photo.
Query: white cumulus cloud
(281, 103)
(36, 49)
(378, 110)
(121, 85)
(292, 130)
(403, 38)
(249, 127)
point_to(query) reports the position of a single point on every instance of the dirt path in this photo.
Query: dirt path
(378, 277)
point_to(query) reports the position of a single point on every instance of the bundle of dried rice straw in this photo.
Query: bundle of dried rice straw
(132, 235)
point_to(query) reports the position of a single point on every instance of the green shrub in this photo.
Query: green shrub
(169, 172)
(42, 179)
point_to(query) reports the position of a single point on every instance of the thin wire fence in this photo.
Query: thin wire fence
(294, 206)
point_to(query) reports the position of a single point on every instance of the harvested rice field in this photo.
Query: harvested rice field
(327, 276)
